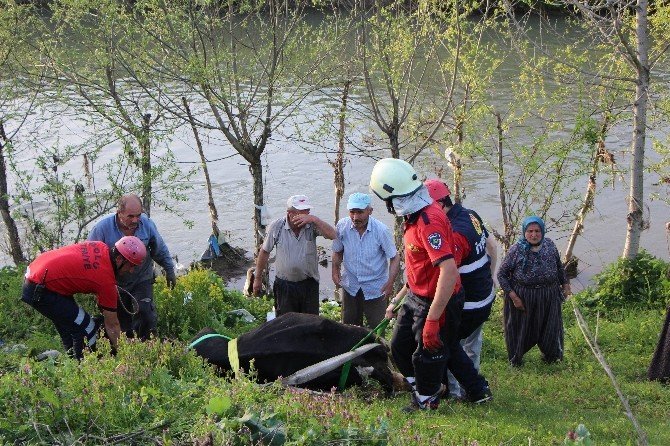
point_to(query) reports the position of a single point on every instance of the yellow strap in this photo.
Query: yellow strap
(233, 358)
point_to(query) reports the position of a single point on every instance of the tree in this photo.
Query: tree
(624, 29)
(249, 64)
(92, 48)
(16, 104)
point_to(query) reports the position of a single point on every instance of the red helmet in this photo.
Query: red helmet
(437, 189)
(132, 249)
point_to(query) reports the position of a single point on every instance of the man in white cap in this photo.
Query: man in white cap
(364, 245)
(296, 285)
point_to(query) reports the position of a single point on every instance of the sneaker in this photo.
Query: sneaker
(481, 397)
(430, 403)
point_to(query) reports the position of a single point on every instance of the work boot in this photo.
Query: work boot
(430, 403)
(481, 397)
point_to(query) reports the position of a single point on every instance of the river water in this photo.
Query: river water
(292, 168)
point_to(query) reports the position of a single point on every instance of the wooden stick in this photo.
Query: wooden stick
(641, 435)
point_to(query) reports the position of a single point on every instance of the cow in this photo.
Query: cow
(293, 341)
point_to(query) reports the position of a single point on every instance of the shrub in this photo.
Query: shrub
(628, 284)
(201, 300)
(18, 320)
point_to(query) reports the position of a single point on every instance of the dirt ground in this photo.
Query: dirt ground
(232, 264)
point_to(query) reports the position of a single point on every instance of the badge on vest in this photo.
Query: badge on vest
(435, 240)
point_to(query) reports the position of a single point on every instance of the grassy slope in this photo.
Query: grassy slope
(536, 404)
(539, 403)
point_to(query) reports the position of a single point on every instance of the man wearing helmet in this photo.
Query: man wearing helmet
(425, 339)
(90, 267)
(475, 255)
(130, 220)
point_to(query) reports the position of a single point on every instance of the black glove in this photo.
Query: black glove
(171, 279)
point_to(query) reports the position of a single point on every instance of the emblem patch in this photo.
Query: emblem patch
(413, 248)
(435, 240)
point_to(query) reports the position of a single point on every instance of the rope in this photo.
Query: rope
(133, 302)
(346, 368)
(207, 336)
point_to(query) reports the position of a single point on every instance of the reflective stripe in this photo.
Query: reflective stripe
(474, 265)
(93, 340)
(233, 358)
(90, 327)
(80, 316)
(480, 303)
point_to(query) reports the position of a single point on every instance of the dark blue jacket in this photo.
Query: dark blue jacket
(475, 269)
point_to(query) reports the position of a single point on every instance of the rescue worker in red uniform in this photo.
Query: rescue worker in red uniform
(425, 338)
(89, 267)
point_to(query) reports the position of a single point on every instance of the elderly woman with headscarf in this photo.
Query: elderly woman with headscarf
(535, 285)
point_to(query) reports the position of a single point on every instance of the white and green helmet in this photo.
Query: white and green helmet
(393, 178)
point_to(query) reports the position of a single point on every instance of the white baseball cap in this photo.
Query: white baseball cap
(299, 202)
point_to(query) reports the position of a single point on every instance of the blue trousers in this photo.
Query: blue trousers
(72, 322)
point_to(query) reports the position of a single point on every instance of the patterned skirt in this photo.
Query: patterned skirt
(541, 323)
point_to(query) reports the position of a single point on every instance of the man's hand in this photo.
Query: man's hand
(567, 292)
(112, 327)
(387, 289)
(337, 276)
(171, 280)
(300, 220)
(431, 335)
(258, 284)
(389, 314)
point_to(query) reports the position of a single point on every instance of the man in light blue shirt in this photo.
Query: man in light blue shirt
(364, 246)
(129, 220)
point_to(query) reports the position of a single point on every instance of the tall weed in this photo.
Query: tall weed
(640, 283)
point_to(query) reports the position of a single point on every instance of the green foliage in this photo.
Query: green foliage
(201, 300)
(581, 435)
(628, 284)
(157, 392)
(331, 310)
(18, 320)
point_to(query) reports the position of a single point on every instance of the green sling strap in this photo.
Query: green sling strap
(377, 330)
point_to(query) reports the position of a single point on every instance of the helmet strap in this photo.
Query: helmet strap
(389, 206)
(114, 254)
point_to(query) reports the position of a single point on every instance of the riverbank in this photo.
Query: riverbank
(157, 392)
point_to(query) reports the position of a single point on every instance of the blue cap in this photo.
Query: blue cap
(358, 200)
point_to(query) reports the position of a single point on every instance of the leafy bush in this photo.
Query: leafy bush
(18, 320)
(201, 300)
(626, 284)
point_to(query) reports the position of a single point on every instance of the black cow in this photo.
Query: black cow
(294, 341)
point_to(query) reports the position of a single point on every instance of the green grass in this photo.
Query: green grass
(157, 393)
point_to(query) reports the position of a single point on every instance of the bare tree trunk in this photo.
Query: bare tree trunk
(600, 154)
(394, 139)
(145, 148)
(12, 232)
(256, 169)
(635, 217)
(508, 231)
(213, 214)
(456, 163)
(338, 164)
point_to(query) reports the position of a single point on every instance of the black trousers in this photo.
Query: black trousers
(296, 297)
(427, 367)
(72, 322)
